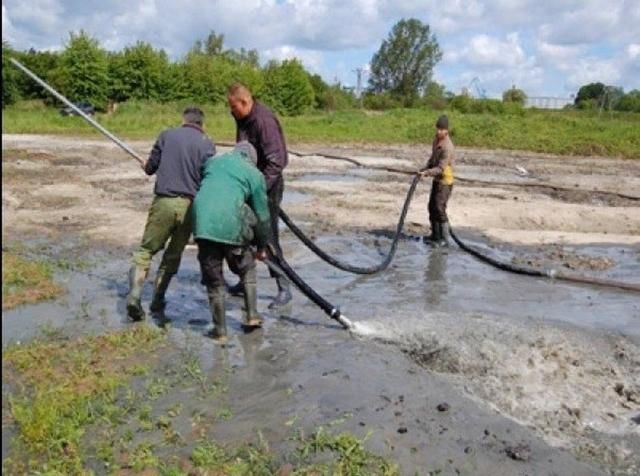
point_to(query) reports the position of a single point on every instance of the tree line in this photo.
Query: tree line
(400, 76)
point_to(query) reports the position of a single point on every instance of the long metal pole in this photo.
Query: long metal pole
(81, 113)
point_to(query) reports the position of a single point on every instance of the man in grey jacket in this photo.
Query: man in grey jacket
(176, 159)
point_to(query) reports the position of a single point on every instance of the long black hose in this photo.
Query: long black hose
(280, 266)
(349, 267)
(523, 270)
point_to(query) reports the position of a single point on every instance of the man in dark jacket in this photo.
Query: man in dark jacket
(177, 158)
(230, 213)
(258, 125)
(440, 167)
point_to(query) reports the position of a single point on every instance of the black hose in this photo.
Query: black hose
(527, 271)
(348, 267)
(280, 266)
(497, 263)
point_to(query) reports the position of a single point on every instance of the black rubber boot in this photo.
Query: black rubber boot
(216, 306)
(436, 235)
(236, 290)
(429, 239)
(252, 319)
(158, 303)
(284, 295)
(137, 275)
(444, 234)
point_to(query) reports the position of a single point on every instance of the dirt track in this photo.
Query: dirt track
(53, 184)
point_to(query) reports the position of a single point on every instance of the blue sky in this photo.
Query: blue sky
(546, 47)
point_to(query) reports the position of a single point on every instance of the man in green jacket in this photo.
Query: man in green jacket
(231, 212)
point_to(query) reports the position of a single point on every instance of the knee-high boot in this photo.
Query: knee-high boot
(158, 303)
(252, 317)
(216, 306)
(137, 275)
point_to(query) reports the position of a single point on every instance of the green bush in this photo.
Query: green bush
(288, 88)
(381, 102)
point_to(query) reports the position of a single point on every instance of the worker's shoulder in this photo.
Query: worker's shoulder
(264, 114)
(446, 144)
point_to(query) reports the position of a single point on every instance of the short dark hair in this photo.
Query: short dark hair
(238, 89)
(193, 115)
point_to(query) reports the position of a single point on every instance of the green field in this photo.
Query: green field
(558, 132)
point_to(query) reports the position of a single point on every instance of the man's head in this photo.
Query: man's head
(193, 115)
(442, 127)
(245, 147)
(240, 100)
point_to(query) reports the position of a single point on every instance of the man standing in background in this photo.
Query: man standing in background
(440, 167)
(258, 125)
(177, 158)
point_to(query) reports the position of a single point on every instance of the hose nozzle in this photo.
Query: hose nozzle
(344, 322)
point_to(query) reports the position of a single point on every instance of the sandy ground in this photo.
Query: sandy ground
(568, 396)
(81, 172)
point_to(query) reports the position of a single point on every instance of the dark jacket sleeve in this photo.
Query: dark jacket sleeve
(274, 150)
(154, 156)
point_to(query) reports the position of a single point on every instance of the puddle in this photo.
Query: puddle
(293, 197)
(354, 175)
(472, 327)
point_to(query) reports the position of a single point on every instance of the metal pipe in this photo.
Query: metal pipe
(81, 113)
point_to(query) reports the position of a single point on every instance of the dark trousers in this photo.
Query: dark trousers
(274, 197)
(211, 254)
(438, 199)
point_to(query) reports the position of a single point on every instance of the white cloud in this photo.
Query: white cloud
(591, 70)
(8, 30)
(312, 60)
(485, 50)
(540, 43)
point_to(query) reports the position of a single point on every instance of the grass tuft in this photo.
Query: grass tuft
(62, 387)
(26, 282)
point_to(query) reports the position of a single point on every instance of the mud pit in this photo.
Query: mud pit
(538, 377)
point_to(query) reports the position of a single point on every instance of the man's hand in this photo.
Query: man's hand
(261, 254)
(143, 165)
(422, 173)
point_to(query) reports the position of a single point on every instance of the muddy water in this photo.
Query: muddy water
(519, 360)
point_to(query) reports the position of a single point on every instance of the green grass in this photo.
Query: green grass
(71, 404)
(26, 281)
(62, 388)
(559, 132)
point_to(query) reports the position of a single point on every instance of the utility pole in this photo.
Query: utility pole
(359, 72)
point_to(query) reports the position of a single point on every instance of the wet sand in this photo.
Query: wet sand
(456, 366)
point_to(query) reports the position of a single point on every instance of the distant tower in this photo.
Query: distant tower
(359, 72)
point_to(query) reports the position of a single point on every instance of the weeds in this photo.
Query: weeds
(346, 454)
(64, 387)
(559, 132)
(26, 282)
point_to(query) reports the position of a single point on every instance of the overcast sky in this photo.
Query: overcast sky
(546, 47)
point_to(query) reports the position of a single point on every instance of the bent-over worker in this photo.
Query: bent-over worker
(230, 213)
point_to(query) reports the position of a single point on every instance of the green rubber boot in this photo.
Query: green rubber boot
(137, 275)
(216, 306)
(158, 303)
(252, 318)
